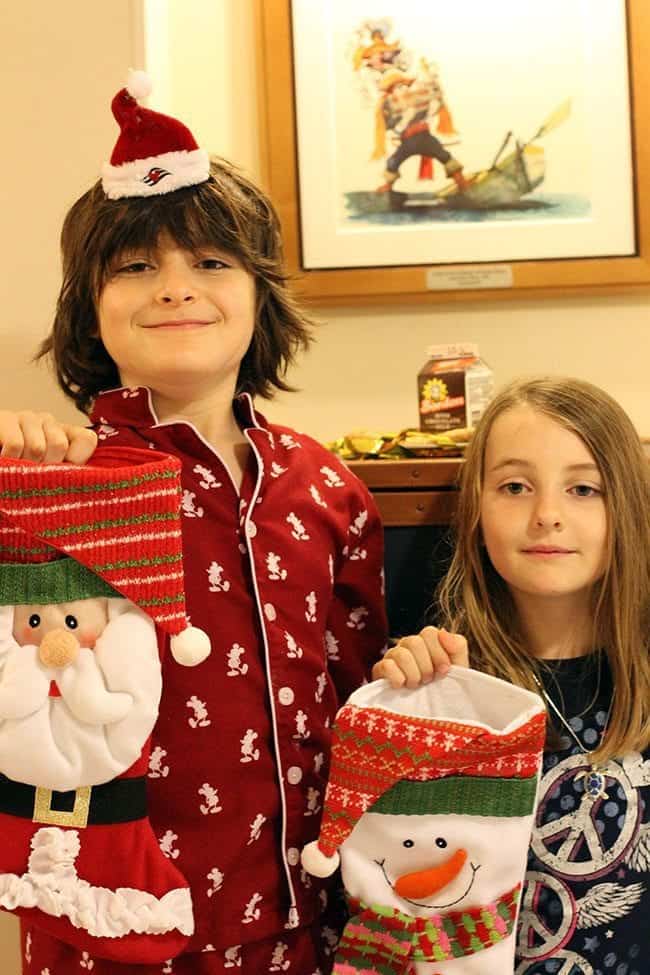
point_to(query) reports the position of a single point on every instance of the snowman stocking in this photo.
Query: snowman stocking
(430, 802)
(80, 685)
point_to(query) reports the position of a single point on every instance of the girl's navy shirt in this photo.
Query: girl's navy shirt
(586, 905)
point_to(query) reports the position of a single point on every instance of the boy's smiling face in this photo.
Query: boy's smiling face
(172, 318)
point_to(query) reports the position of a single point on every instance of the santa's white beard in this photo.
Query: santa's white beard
(96, 729)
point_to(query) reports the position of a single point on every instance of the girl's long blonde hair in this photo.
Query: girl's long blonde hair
(476, 602)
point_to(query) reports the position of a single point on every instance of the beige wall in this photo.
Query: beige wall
(61, 64)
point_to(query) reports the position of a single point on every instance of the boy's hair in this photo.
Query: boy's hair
(229, 212)
(476, 602)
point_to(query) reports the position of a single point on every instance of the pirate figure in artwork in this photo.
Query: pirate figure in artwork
(407, 104)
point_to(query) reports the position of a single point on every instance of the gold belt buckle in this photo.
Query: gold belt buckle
(78, 816)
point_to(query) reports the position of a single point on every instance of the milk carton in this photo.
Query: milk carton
(454, 387)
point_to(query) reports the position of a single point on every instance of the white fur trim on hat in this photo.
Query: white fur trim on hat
(316, 862)
(156, 174)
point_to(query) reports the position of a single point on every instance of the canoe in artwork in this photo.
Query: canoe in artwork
(503, 185)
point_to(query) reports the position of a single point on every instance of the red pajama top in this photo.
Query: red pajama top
(285, 575)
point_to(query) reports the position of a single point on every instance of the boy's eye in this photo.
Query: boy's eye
(71, 622)
(34, 620)
(133, 267)
(212, 263)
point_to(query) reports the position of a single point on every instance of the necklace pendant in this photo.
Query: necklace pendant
(594, 784)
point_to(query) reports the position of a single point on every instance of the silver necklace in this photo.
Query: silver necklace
(595, 777)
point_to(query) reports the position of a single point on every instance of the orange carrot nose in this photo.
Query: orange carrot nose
(423, 883)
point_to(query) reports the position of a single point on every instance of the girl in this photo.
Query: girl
(550, 583)
(174, 312)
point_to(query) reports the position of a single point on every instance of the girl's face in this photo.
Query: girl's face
(172, 318)
(543, 515)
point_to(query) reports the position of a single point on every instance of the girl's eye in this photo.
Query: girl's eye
(71, 622)
(408, 844)
(514, 487)
(585, 490)
(34, 620)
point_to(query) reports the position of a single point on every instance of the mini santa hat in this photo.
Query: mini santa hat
(481, 754)
(116, 521)
(154, 153)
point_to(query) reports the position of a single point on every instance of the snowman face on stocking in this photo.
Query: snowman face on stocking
(81, 678)
(429, 810)
(427, 864)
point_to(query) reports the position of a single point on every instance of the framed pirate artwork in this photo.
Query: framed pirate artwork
(413, 159)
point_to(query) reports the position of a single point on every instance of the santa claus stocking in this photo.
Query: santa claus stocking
(431, 799)
(80, 684)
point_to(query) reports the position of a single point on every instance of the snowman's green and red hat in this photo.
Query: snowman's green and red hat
(387, 761)
(108, 528)
(154, 153)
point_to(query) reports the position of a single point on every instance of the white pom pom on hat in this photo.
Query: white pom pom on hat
(139, 84)
(190, 647)
(317, 863)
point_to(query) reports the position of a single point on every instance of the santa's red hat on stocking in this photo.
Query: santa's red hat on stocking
(91, 588)
(137, 552)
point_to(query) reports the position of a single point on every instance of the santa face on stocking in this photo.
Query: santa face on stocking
(80, 684)
(430, 802)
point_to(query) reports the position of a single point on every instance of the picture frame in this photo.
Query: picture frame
(465, 280)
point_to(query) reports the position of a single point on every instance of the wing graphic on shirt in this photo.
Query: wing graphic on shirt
(607, 902)
(639, 856)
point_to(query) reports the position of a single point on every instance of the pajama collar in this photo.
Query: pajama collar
(133, 407)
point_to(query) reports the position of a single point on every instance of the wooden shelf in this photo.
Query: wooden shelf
(412, 492)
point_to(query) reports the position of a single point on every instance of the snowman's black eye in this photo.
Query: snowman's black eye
(71, 622)
(442, 843)
(408, 844)
(34, 620)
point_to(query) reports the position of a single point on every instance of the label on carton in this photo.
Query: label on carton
(453, 392)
